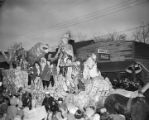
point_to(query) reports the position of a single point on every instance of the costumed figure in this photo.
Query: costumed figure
(134, 71)
(66, 57)
(52, 57)
(37, 82)
(90, 68)
(96, 87)
(45, 73)
(51, 67)
(66, 53)
(76, 76)
(69, 81)
(36, 52)
(47, 101)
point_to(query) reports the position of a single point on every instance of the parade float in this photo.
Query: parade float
(16, 76)
(19, 62)
(79, 88)
(67, 78)
(15, 79)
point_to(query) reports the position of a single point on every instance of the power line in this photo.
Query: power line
(129, 29)
(86, 15)
(100, 16)
(91, 14)
(97, 16)
(134, 28)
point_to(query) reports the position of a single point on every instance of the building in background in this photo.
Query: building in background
(115, 57)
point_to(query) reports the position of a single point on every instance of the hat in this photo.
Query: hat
(60, 99)
(47, 92)
(79, 114)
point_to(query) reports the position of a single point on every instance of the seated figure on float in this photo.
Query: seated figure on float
(95, 84)
(96, 87)
(90, 68)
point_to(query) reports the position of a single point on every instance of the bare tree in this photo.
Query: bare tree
(112, 36)
(10, 57)
(116, 36)
(137, 36)
(98, 37)
(142, 34)
(122, 37)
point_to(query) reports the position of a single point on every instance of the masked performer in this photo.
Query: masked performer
(66, 53)
(90, 68)
(45, 73)
(37, 80)
(64, 66)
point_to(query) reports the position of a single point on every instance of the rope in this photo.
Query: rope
(128, 107)
(143, 66)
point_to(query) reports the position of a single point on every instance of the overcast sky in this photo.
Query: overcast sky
(31, 21)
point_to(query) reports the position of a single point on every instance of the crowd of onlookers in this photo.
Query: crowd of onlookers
(10, 105)
(13, 107)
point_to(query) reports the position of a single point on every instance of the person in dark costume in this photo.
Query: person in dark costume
(27, 100)
(51, 105)
(45, 73)
(47, 102)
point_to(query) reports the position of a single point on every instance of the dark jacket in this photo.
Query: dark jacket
(47, 102)
(46, 73)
